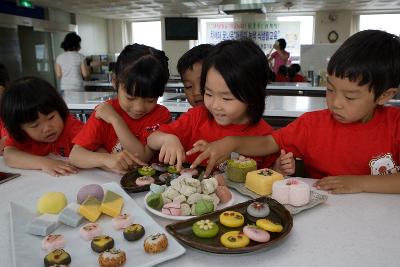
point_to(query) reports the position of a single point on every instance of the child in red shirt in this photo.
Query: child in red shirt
(38, 123)
(233, 81)
(189, 67)
(115, 135)
(354, 145)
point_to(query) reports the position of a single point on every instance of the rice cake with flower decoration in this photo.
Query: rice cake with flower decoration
(260, 181)
(237, 169)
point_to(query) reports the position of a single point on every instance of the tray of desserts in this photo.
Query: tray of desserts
(187, 197)
(246, 227)
(139, 179)
(90, 233)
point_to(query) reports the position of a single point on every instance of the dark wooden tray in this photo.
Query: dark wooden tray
(182, 231)
(128, 181)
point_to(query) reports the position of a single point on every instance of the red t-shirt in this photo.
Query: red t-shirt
(61, 147)
(97, 132)
(3, 131)
(329, 147)
(196, 124)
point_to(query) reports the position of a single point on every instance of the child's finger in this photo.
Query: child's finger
(200, 143)
(135, 159)
(161, 155)
(200, 158)
(179, 160)
(283, 152)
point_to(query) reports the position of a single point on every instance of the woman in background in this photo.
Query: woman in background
(70, 66)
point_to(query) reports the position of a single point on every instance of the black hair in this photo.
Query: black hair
(369, 57)
(242, 65)
(292, 71)
(23, 99)
(282, 43)
(283, 70)
(72, 42)
(4, 76)
(193, 56)
(143, 71)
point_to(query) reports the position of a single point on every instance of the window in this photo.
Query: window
(385, 22)
(148, 33)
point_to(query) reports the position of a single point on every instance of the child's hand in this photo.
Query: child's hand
(172, 151)
(58, 167)
(340, 184)
(216, 152)
(285, 164)
(121, 162)
(106, 112)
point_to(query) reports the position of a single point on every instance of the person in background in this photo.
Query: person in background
(233, 81)
(280, 56)
(38, 123)
(282, 75)
(4, 80)
(294, 73)
(354, 145)
(71, 66)
(114, 138)
(189, 68)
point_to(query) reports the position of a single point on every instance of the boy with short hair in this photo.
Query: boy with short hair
(354, 145)
(189, 67)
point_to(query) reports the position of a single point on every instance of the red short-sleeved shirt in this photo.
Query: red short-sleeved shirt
(329, 147)
(97, 132)
(61, 147)
(196, 124)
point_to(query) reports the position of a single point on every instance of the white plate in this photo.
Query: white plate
(182, 218)
(27, 251)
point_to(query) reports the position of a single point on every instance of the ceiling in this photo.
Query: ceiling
(142, 9)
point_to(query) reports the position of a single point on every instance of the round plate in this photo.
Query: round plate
(182, 218)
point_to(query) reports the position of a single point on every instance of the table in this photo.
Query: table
(347, 230)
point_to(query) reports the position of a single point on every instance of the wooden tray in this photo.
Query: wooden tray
(182, 231)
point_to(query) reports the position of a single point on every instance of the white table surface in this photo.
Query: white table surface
(275, 105)
(347, 230)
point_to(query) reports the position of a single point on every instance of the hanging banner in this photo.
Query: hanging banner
(264, 33)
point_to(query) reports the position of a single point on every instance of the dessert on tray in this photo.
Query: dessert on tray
(291, 191)
(260, 181)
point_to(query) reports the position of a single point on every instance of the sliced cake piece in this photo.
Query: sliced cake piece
(90, 209)
(112, 204)
(70, 215)
(43, 225)
(260, 181)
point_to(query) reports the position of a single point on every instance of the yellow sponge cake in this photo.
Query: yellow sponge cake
(260, 181)
(112, 204)
(90, 209)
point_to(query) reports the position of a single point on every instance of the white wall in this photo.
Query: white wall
(93, 32)
(342, 25)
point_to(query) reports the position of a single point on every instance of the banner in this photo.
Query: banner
(264, 33)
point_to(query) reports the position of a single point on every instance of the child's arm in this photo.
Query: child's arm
(119, 162)
(2, 142)
(128, 141)
(342, 184)
(19, 159)
(171, 149)
(218, 151)
(285, 163)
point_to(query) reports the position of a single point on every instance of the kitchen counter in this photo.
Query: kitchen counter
(346, 230)
(283, 106)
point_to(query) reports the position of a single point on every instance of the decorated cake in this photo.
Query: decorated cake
(102, 243)
(112, 258)
(155, 243)
(260, 181)
(291, 191)
(237, 169)
(134, 232)
(205, 229)
(58, 256)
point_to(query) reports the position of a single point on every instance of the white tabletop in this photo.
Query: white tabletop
(347, 230)
(276, 105)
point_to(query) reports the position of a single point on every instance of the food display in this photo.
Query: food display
(51, 202)
(134, 232)
(140, 179)
(155, 243)
(291, 191)
(124, 231)
(187, 196)
(260, 181)
(112, 258)
(57, 257)
(94, 190)
(102, 243)
(237, 169)
(231, 231)
(90, 209)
